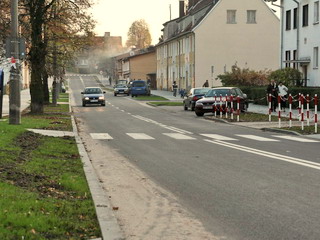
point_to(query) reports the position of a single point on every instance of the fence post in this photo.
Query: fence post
(316, 113)
(226, 106)
(270, 110)
(231, 100)
(290, 110)
(308, 110)
(302, 111)
(279, 110)
(238, 108)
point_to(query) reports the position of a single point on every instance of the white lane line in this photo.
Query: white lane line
(140, 136)
(101, 136)
(257, 138)
(280, 157)
(298, 139)
(179, 136)
(219, 137)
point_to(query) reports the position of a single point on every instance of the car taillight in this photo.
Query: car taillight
(195, 98)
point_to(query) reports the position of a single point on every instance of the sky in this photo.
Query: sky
(116, 16)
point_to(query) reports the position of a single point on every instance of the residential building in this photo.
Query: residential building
(214, 35)
(301, 38)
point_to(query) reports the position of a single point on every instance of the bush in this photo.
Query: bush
(288, 76)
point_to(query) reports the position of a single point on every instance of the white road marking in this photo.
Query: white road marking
(101, 136)
(257, 138)
(140, 136)
(280, 157)
(298, 139)
(219, 137)
(179, 136)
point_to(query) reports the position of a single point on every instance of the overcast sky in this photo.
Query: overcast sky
(116, 16)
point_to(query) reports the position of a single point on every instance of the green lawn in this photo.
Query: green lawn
(150, 98)
(167, 103)
(43, 189)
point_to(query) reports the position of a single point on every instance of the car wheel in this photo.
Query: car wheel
(185, 107)
(199, 114)
(115, 94)
(83, 104)
(192, 107)
(128, 94)
(103, 104)
(245, 107)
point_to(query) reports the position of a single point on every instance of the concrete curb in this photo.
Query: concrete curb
(109, 226)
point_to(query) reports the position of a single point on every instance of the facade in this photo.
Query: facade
(301, 38)
(138, 64)
(213, 36)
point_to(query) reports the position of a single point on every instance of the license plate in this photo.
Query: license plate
(93, 100)
(208, 107)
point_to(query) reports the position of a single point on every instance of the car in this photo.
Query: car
(93, 95)
(194, 95)
(139, 87)
(217, 96)
(120, 88)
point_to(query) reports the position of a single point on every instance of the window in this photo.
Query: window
(295, 18)
(295, 65)
(316, 57)
(251, 16)
(288, 58)
(316, 12)
(231, 16)
(288, 20)
(305, 15)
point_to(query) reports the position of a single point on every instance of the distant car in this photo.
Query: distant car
(93, 95)
(139, 87)
(120, 89)
(212, 100)
(194, 95)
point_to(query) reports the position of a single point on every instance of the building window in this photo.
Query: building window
(295, 18)
(295, 65)
(288, 20)
(251, 16)
(231, 16)
(305, 15)
(288, 58)
(316, 57)
(316, 12)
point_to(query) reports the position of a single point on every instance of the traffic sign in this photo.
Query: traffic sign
(10, 41)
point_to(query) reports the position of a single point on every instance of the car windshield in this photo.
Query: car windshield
(218, 92)
(138, 84)
(201, 91)
(93, 91)
(121, 86)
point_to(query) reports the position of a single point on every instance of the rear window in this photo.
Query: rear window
(201, 91)
(138, 84)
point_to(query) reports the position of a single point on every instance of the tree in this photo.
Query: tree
(139, 35)
(288, 76)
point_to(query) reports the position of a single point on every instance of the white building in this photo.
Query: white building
(301, 38)
(213, 36)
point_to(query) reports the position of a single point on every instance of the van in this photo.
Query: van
(139, 87)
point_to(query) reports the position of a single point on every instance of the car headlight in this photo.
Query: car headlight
(101, 98)
(86, 98)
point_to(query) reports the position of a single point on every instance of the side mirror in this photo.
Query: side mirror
(104, 91)
(245, 95)
(82, 92)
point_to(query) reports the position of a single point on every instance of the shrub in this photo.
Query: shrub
(288, 76)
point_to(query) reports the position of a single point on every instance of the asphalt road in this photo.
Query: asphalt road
(241, 183)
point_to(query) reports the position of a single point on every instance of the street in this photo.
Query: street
(211, 180)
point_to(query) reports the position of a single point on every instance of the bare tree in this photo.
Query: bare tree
(139, 34)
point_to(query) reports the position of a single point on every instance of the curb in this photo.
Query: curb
(108, 223)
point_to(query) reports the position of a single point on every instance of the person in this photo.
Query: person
(283, 91)
(174, 87)
(206, 84)
(273, 90)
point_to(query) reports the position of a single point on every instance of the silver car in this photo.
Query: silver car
(121, 89)
(93, 95)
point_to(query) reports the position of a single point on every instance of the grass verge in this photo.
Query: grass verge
(167, 103)
(150, 98)
(43, 189)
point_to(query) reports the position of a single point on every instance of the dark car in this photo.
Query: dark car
(194, 95)
(216, 98)
(139, 87)
(93, 95)
(121, 89)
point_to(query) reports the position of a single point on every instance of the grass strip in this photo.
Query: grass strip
(150, 98)
(171, 103)
(43, 189)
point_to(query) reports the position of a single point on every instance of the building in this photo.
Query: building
(214, 35)
(300, 33)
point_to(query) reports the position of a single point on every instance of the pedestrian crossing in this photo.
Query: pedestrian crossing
(181, 136)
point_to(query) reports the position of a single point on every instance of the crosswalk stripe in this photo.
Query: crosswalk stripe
(178, 136)
(257, 138)
(140, 136)
(219, 137)
(298, 139)
(101, 136)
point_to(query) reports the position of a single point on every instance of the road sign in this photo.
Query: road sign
(10, 47)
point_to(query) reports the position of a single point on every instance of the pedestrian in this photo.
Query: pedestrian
(273, 90)
(206, 84)
(283, 93)
(182, 93)
(174, 88)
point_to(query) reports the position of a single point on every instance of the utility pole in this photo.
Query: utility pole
(15, 97)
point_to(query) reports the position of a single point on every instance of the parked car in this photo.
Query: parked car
(139, 87)
(212, 101)
(194, 95)
(120, 89)
(93, 95)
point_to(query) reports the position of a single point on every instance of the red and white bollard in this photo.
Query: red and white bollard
(290, 110)
(221, 109)
(231, 105)
(238, 109)
(308, 110)
(215, 106)
(226, 106)
(299, 106)
(279, 110)
(316, 113)
(302, 111)
(270, 109)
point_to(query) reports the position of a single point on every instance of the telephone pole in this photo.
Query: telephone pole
(15, 97)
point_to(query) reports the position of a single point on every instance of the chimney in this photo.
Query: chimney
(181, 8)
